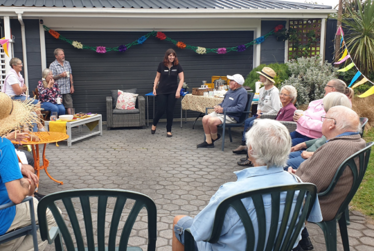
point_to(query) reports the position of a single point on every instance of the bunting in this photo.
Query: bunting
(358, 74)
(4, 43)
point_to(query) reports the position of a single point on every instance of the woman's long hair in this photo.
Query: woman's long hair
(167, 53)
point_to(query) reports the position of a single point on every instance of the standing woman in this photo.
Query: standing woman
(49, 93)
(166, 89)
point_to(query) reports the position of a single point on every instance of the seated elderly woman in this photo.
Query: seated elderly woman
(49, 93)
(288, 97)
(297, 156)
(268, 103)
(269, 144)
(309, 124)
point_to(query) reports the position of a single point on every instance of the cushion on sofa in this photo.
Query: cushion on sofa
(118, 111)
(115, 95)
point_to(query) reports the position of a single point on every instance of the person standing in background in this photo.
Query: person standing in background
(62, 73)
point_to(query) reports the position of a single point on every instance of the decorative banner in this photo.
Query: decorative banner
(367, 93)
(4, 42)
(340, 32)
(344, 54)
(362, 81)
(343, 60)
(341, 41)
(162, 36)
(347, 68)
(358, 74)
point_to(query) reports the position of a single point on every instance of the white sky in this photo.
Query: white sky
(332, 3)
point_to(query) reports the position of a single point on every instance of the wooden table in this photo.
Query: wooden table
(45, 138)
(199, 104)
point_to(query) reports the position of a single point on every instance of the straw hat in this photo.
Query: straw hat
(15, 114)
(268, 73)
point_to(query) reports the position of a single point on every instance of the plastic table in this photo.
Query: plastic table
(45, 138)
(150, 94)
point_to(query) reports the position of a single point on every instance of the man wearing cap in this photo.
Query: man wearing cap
(268, 103)
(233, 104)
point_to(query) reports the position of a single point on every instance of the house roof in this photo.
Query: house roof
(165, 4)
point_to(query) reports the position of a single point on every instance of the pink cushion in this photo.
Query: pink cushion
(126, 100)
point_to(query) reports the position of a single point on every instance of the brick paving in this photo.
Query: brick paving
(177, 176)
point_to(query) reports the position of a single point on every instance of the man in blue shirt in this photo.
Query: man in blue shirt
(233, 104)
(268, 155)
(13, 186)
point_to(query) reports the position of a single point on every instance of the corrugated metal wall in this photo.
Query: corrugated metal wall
(96, 74)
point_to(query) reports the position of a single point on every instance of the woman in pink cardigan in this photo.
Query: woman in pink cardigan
(309, 124)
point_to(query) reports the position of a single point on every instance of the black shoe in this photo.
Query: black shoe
(306, 243)
(169, 135)
(205, 145)
(153, 131)
(241, 150)
(246, 162)
(298, 248)
(38, 196)
(218, 137)
(243, 159)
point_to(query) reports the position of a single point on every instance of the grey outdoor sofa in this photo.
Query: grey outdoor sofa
(125, 118)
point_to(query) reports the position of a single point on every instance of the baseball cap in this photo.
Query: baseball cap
(238, 78)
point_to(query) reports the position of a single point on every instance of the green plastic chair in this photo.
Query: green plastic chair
(28, 230)
(302, 208)
(329, 227)
(102, 195)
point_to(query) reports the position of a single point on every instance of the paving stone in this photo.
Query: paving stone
(368, 241)
(364, 248)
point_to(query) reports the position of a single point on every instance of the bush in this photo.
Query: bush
(309, 76)
(280, 69)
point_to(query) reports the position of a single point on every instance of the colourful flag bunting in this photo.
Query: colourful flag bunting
(358, 74)
(341, 41)
(343, 60)
(344, 54)
(340, 32)
(4, 42)
(347, 68)
(362, 81)
(367, 93)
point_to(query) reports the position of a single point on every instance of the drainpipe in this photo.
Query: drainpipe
(23, 34)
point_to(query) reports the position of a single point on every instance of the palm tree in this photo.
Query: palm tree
(359, 37)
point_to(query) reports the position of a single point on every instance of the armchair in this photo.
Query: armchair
(125, 118)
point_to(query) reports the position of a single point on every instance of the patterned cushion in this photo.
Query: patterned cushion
(126, 100)
(115, 95)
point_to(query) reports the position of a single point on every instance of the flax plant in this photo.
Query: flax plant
(359, 37)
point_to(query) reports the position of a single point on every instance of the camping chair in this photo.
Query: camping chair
(358, 172)
(99, 208)
(31, 229)
(291, 224)
(240, 123)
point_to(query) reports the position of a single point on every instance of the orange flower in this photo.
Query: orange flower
(181, 45)
(54, 33)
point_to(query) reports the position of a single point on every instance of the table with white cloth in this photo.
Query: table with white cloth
(199, 104)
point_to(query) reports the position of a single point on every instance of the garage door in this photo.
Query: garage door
(96, 74)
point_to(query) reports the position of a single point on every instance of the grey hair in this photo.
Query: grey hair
(57, 50)
(270, 142)
(345, 118)
(45, 73)
(341, 86)
(292, 91)
(336, 98)
(14, 61)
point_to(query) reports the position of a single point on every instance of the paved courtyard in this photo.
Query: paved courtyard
(177, 176)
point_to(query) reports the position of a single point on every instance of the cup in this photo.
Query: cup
(211, 94)
(72, 110)
(204, 82)
(299, 112)
(53, 116)
(206, 94)
(58, 101)
(67, 74)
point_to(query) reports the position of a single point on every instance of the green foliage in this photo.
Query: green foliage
(364, 197)
(302, 47)
(280, 69)
(360, 38)
(309, 77)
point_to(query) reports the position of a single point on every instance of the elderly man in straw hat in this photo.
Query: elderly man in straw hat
(268, 103)
(13, 186)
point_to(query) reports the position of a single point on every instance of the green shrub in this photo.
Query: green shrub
(309, 76)
(280, 69)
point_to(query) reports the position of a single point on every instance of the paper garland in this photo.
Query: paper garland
(160, 35)
(4, 43)
(343, 58)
